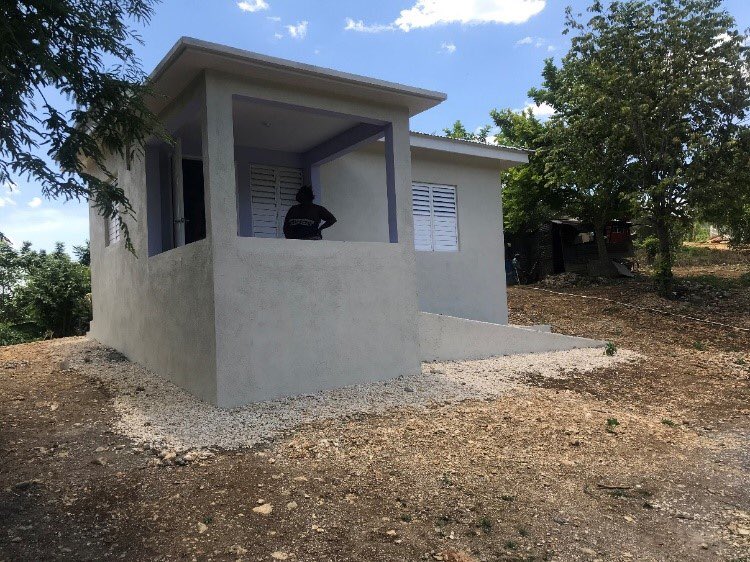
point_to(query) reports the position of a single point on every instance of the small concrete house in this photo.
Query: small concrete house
(215, 299)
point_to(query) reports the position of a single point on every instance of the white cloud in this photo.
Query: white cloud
(537, 42)
(298, 31)
(273, 18)
(428, 13)
(47, 225)
(542, 111)
(360, 26)
(9, 191)
(35, 202)
(551, 48)
(448, 48)
(278, 36)
(253, 5)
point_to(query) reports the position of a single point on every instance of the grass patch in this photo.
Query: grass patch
(699, 345)
(406, 518)
(691, 255)
(485, 523)
(507, 498)
(670, 423)
(610, 349)
(612, 423)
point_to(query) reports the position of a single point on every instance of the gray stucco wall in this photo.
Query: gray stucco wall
(295, 316)
(469, 283)
(354, 190)
(157, 310)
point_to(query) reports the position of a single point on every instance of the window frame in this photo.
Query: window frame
(430, 186)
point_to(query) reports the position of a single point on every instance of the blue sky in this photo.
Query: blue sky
(484, 54)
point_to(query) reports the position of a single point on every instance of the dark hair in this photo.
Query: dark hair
(305, 194)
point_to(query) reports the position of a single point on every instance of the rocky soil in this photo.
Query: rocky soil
(628, 460)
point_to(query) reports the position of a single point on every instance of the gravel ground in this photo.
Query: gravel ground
(154, 412)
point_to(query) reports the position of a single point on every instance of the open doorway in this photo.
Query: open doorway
(176, 191)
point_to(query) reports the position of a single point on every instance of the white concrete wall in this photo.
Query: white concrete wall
(296, 316)
(469, 283)
(445, 338)
(158, 310)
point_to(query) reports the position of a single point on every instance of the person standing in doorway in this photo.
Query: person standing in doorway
(303, 221)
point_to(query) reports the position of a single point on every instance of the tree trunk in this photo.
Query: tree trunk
(664, 276)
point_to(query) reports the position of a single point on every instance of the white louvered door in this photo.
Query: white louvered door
(272, 193)
(435, 218)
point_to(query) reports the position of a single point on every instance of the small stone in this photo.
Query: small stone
(629, 519)
(291, 505)
(202, 528)
(391, 533)
(264, 509)
(278, 555)
(100, 461)
(300, 479)
(100, 449)
(237, 550)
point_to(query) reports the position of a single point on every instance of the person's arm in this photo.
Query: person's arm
(328, 219)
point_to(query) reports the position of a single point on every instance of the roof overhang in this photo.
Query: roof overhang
(508, 155)
(189, 57)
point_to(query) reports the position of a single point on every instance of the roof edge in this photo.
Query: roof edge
(250, 57)
(469, 148)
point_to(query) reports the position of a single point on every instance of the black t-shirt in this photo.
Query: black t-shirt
(302, 222)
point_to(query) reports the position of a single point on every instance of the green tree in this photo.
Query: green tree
(458, 131)
(652, 90)
(54, 294)
(11, 269)
(83, 253)
(80, 53)
(529, 197)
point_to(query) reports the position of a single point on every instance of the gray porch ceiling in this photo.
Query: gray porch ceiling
(271, 127)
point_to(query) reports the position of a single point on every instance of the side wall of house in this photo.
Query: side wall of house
(469, 283)
(159, 310)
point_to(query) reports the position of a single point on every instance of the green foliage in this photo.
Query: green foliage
(668, 422)
(459, 132)
(530, 198)
(650, 102)
(80, 49)
(485, 523)
(42, 293)
(9, 335)
(612, 423)
(610, 349)
(83, 253)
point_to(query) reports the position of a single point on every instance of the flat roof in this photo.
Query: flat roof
(428, 141)
(189, 56)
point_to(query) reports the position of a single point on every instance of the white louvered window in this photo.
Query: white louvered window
(113, 231)
(272, 193)
(435, 218)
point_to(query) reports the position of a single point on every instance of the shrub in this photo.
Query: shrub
(9, 335)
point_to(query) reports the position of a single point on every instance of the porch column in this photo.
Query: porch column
(218, 166)
(398, 181)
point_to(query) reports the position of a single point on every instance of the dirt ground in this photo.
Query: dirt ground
(649, 461)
